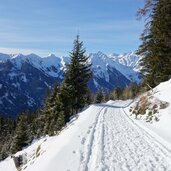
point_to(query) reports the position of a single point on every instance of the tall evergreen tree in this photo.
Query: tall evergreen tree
(7, 129)
(77, 76)
(51, 110)
(21, 135)
(65, 100)
(117, 93)
(99, 96)
(156, 42)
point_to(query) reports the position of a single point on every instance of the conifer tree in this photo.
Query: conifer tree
(7, 129)
(99, 96)
(156, 44)
(61, 121)
(77, 76)
(88, 97)
(21, 135)
(117, 93)
(51, 110)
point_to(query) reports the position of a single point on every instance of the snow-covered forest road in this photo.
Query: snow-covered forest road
(101, 138)
(115, 142)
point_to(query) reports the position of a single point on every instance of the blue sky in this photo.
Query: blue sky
(50, 26)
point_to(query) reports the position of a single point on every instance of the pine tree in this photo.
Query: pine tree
(156, 44)
(88, 97)
(117, 93)
(7, 128)
(99, 96)
(77, 76)
(21, 135)
(51, 110)
(61, 121)
(38, 123)
(65, 101)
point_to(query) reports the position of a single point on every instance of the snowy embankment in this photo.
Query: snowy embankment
(103, 137)
(161, 128)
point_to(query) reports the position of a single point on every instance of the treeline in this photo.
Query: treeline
(129, 92)
(63, 101)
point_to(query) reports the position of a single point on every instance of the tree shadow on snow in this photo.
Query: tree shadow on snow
(113, 106)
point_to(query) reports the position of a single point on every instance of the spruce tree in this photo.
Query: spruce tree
(7, 129)
(156, 44)
(61, 121)
(65, 101)
(117, 93)
(21, 135)
(51, 110)
(99, 96)
(77, 76)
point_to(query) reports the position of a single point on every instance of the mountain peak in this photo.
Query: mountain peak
(99, 53)
(114, 54)
(51, 55)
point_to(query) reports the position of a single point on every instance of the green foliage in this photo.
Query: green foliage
(7, 128)
(156, 44)
(77, 76)
(116, 94)
(129, 92)
(88, 97)
(99, 98)
(63, 101)
(51, 110)
(61, 121)
(21, 135)
(72, 95)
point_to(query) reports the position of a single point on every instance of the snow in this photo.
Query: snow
(104, 137)
(51, 65)
(128, 59)
(4, 57)
(7, 165)
(46, 64)
(24, 79)
(162, 128)
(16, 85)
(101, 63)
(95, 83)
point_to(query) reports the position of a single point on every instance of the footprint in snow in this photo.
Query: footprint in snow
(88, 131)
(83, 141)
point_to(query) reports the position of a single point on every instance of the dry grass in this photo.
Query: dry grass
(149, 107)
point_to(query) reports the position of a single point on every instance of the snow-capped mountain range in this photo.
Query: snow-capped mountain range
(25, 79)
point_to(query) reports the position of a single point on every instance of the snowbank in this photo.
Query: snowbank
(104, 137)
(161, 128)
(43, 154)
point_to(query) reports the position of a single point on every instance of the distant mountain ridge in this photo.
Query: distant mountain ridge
(25, 79)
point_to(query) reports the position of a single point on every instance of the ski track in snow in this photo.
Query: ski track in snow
(115, 143)
(103, 138)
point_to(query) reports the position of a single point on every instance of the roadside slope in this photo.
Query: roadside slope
(100, 138)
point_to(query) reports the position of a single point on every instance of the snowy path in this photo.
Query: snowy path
(102, 138)
(114, 142)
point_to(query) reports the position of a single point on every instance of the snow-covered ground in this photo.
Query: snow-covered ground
(162, 128)
(104, 137)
